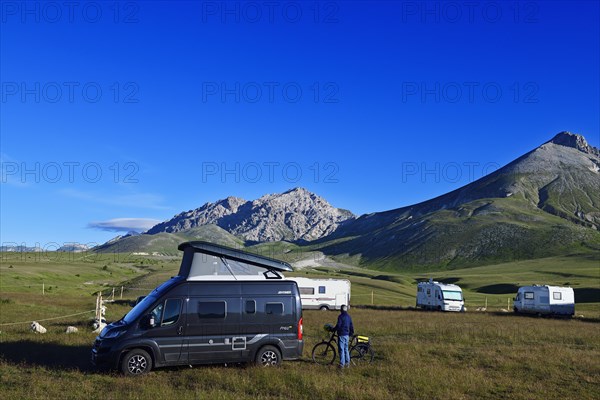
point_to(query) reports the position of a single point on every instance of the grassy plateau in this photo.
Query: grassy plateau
(419, 355)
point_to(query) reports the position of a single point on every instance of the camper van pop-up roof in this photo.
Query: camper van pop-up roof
(207, 261)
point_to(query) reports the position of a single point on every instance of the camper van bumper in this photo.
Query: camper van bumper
(106, 353)
(453, 307)
(103, 356)
(292, 352)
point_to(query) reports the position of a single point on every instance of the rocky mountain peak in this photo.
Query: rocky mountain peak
(575, 141)
(296, 214)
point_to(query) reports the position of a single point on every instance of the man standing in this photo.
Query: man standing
(344, 329)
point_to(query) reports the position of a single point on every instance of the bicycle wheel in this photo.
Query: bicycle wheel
(323, 353)
(361, 354)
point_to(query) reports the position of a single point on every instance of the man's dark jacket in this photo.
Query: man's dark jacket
(344, 325)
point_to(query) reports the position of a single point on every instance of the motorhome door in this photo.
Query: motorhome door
(167, 331)
(340, 299)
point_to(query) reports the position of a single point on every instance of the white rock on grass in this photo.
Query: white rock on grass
(37, 328)
(71, 329)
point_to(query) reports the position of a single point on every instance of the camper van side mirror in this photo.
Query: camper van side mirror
(148, 321)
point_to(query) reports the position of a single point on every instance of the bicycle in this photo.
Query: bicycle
(361, 352)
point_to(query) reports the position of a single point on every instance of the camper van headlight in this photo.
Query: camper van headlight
(111, 334)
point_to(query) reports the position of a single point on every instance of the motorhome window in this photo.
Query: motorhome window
(557, 295)
(528, 295)
(321, 289)
(274, 308)
(172, 309)
(307, 290)
(250, 306)
(452, 295)
(204, 264)
(157, 313)
(212, 309)
(242, 268)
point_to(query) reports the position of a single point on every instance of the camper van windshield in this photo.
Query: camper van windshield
(143, 305)
(452, 295)
(139, 309)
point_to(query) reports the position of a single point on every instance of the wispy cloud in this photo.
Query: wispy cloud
(10, 172)
(138, 200)
(124, 224)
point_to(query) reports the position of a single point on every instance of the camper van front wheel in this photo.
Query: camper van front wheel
(324, 308)
(136, 362)
(268, 356)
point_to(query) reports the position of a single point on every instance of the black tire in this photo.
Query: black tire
(268, 356)
(361, 354)
(324, 308)
(323, 353)
(136, 362)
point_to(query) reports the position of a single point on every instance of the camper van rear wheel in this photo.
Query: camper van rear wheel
(136, 362)
(324, 308)
(268, 356)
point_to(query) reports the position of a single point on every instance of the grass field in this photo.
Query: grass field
(473, 355)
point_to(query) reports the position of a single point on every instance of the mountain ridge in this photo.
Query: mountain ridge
(296, 214)
(543, 203)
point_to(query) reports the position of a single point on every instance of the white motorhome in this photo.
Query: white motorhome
(323, 294)
(544, 299)
(434, 295)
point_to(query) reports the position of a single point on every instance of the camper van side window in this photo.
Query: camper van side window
(172, 308)
(307, 290)
(274, 308)
(528, 295)
(557, 295)
(250, 306)
(212, 309)
(321, 289)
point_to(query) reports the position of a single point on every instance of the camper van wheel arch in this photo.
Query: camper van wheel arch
(136, 362)
(268, 356)
(324, 308)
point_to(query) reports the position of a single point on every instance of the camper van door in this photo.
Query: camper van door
(165, 324)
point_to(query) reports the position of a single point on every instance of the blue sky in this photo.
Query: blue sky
(115, 112)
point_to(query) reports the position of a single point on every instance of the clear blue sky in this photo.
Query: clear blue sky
(146, 109)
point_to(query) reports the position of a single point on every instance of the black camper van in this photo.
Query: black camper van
(224, 306)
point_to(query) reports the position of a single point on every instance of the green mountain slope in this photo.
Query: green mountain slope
(166, 243)
(545, 203)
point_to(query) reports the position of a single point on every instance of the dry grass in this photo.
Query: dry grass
(419, 355)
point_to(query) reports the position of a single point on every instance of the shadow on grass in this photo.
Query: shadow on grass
(48, 355)
(499, 288)
(587, 295)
